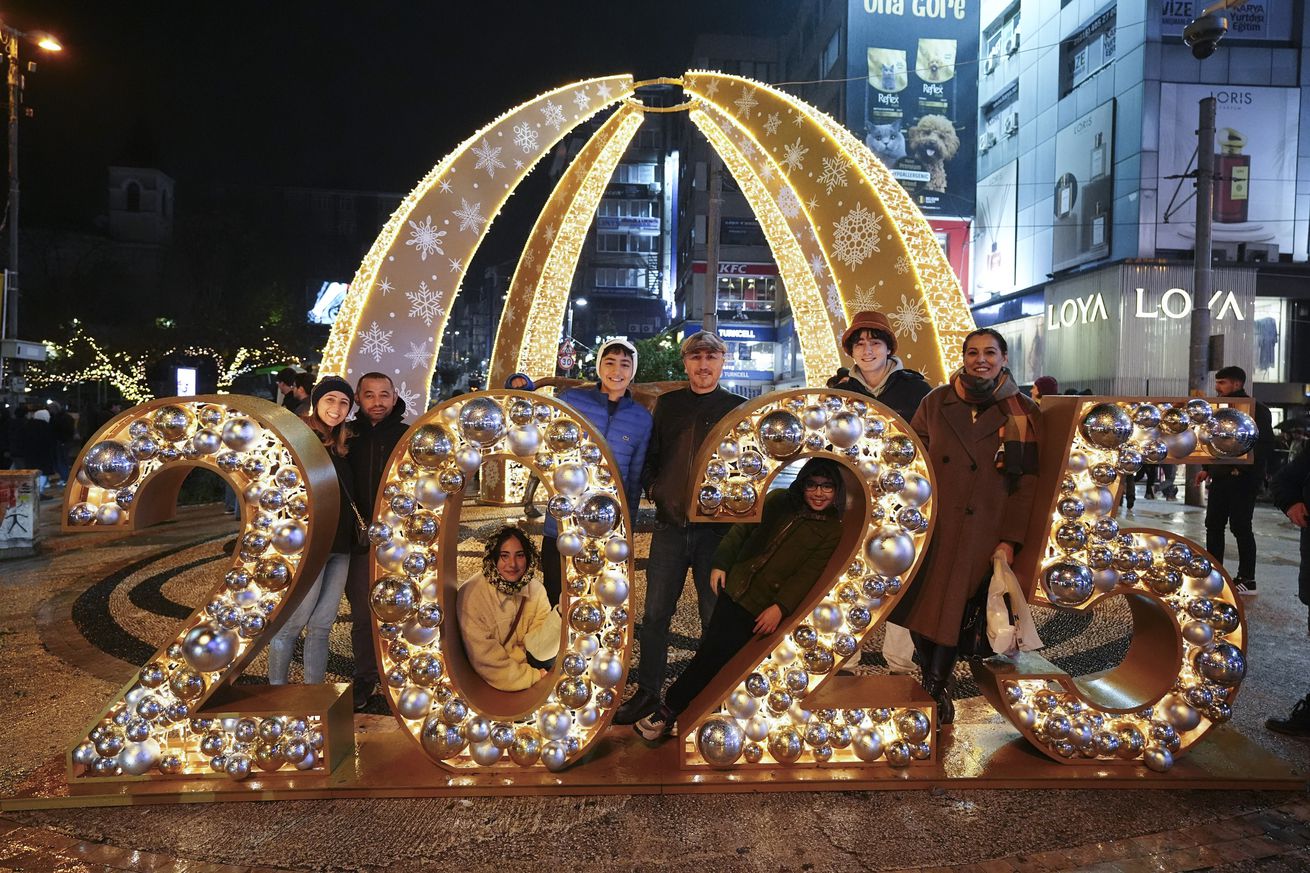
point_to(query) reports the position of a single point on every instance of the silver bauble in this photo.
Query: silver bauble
(570, 479)
(1181, 444)
(208, 647)
(867, 745)
(845, 429)
(110, 464)
(524, 441)
(598, 514)
(1106, 425)
(430, 445)
(899, 451)
(394, 599)
(555, 755)
(240, 434)
(720, 741)
(562, 435)
(890, 551)
(482, 421)
(289, 537)
(441, 740)
(786, 745)
(1231, 433)
(781, 434)
(1222, 664)
(468, 459)
(554, 721)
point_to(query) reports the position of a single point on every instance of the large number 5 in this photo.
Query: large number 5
(779, 701)
(1186, 659)
(180, 716)
(456, 717)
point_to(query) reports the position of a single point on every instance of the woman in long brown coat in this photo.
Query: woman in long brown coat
(981, 436)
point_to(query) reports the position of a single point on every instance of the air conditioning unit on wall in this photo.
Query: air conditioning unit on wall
(1012, 123)
(1012, 44)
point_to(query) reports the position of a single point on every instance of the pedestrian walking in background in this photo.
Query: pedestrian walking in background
(1234, 487)
(1291, 493)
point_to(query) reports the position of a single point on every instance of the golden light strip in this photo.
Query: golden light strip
(556, 232)
(814, 326)
(538, 352)
(539, 123)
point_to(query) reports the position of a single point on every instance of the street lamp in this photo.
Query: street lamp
(568, 330)
(10, 38)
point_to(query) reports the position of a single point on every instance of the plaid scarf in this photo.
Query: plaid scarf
(1017, 455)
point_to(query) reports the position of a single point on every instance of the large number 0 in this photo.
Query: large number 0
(1186, 659)
(779, 702)
(180, 716)
(456, 717)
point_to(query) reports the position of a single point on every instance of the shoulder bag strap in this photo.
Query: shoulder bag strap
(513, 625)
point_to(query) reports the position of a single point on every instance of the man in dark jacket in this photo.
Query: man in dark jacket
(1291, 492)
(1233, 488)
(377, 427)
(683, 418)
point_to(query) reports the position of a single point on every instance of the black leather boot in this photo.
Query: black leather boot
(938, 665)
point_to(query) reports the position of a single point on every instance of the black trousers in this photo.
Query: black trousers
(1232, 505)
(361, 625)
(731, 627)
(1303, 577)
(551, 572)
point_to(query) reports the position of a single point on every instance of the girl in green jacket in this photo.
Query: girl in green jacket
(761, 573)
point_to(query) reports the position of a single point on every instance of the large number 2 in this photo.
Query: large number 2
(779, 702)
(1187, 655)
(180, 716)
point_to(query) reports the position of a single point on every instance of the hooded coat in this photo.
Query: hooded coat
(972, 502)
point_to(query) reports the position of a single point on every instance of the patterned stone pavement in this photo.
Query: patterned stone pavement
(74, 621)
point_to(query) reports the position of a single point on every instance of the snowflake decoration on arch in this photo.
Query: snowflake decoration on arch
(525, 137)
(794, 155)
(418, 355)
(488, 158)
(603, 90)
(410, 398)
(817, 266)
(834, 301)
(902, 265)
(425, 238)
(788, 203)
(385, 286)
(425, 303)
(376, 342)
(771, 124)
(470, 216)
(856, 236)
(909, 317)
(581, 100)
(833, 175)
(552, 114)
(746, 102)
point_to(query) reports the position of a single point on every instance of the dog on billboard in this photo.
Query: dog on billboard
(932, 142)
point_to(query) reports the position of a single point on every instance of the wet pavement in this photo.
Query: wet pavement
(75, 619)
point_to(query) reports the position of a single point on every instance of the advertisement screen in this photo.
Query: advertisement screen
(908, 101)
(330, 297)
(1084, 189)
(1255, 20)
(1255, 160)
(994, 233)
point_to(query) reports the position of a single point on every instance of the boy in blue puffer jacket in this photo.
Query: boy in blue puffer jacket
(623, 422)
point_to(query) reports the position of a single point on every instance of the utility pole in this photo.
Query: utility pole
(1198, 364)
(9, 309)
(709, 319)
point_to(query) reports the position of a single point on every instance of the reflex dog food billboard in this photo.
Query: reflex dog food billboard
(913, 95)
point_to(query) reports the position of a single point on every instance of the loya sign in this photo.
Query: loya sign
(1174, 304)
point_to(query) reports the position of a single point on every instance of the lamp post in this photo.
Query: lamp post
(10, 38)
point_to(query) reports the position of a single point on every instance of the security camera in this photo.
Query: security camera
(1202, 35)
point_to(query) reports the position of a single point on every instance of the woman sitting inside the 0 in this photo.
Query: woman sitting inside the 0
(761, 573)
(510, 632)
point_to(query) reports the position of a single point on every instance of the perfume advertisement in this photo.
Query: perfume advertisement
(994, 234)
(1084, 189)
(1255, 162)
(909, 103)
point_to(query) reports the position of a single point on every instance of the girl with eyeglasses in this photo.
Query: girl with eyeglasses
(761, 573)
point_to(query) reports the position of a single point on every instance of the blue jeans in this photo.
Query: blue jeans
(672, 551)
(316, 615)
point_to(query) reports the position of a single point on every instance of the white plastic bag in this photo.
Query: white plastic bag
(1009, 639)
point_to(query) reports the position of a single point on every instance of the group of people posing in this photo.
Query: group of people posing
(980, 432)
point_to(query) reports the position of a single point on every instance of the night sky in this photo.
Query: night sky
(338, 95)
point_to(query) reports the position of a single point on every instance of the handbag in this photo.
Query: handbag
(973, 642)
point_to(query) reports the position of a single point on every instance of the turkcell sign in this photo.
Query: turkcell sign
(740, 333)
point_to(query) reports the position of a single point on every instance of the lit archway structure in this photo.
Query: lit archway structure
(844, 233)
